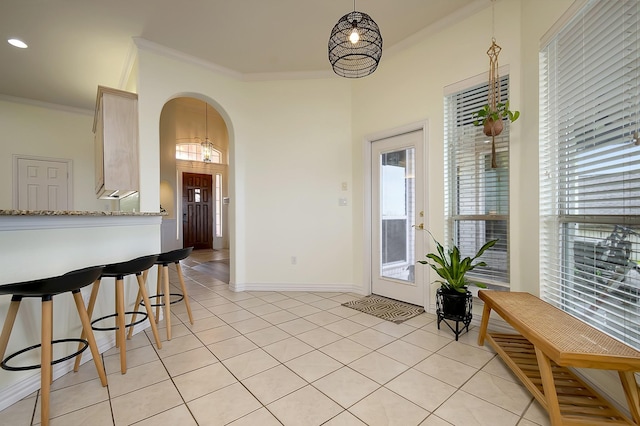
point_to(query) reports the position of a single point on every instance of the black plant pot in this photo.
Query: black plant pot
(454, 306)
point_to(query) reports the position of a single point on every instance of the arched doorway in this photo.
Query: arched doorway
(194, 190)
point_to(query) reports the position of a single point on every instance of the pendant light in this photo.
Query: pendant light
(207, 145)
(355, 45)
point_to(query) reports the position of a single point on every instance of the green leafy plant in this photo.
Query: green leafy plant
(452, 268)
(502, 111)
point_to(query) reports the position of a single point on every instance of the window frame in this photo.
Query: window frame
(497, 278)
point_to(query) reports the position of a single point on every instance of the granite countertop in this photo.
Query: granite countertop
(74, 213)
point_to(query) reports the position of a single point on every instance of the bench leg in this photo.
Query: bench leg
(486, 312)
(631, 392)
(549, 386)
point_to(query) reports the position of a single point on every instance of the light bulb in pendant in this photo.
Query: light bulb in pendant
(354, 37)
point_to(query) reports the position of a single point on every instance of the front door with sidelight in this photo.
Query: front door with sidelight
(197, 211)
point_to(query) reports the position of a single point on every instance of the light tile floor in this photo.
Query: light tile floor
(288, 358)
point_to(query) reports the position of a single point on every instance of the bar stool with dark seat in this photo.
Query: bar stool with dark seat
(119, 271)
(162, 288)
(45, 289)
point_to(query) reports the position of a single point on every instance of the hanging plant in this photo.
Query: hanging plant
(492, 114)
(491, 119)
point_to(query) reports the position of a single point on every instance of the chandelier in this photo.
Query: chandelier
(207, 145)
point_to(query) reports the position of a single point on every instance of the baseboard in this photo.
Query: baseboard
(338, 288)
(25, 387)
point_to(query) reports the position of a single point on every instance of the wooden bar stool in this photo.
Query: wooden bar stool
(119, 271)
(162, 287)
(45, 289)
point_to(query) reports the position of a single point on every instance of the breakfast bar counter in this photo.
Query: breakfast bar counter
(41, 244)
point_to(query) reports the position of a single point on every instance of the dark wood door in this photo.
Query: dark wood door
(197, 211)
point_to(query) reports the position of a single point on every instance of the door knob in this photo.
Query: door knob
(421, 226)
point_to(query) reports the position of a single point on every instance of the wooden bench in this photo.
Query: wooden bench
(551, 341)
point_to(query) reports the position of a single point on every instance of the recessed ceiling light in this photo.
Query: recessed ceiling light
(17, 43)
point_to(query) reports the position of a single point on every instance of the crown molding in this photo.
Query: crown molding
(129, 62)
(144, 44)
(293, 75)
(47, 105)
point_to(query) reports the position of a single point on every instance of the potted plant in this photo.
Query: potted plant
(453, 299)
(491, 118)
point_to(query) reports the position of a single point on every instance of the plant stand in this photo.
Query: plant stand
(454, 307)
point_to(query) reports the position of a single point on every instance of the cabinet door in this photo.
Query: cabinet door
(99, 150)
(120, 141)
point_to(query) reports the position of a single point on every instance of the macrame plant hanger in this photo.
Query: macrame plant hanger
(494, 82)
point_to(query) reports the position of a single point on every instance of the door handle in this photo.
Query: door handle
(420, 226)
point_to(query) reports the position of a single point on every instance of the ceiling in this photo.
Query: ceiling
(76, 45)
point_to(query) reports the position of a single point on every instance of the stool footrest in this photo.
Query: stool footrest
(179, 299)
(4, 362)
(141, 320)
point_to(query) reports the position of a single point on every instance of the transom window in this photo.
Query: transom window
(192, 151)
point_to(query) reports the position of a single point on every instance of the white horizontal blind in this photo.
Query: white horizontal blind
(590, 168)
(477, 195)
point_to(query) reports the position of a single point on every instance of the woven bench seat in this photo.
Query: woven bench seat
(550, 343)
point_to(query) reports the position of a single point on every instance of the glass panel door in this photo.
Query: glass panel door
(397, 182)
(397, 203)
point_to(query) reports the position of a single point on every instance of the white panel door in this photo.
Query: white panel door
(397, 197)
(42, 184)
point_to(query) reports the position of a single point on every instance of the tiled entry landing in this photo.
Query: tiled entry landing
(289, 358)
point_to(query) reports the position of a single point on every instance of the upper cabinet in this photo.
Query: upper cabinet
(115, 126)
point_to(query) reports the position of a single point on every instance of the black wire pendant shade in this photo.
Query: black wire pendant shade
(355, 59)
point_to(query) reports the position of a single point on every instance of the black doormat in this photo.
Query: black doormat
(387, 309)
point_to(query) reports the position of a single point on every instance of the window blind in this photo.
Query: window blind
(477, 195)
(589, 168)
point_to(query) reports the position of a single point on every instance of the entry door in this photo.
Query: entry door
(197, 211)
(397, 204)
(42, 184)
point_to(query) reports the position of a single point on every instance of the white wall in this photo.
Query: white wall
(290, 151)
(48, 132)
